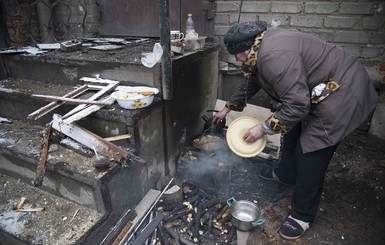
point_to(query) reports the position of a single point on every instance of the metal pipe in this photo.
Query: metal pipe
(148, 212)
(167, 85)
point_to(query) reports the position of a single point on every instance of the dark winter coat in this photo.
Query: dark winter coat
(290, 64)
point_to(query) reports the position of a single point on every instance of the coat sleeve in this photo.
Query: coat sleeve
(284, 73)
(243, 93)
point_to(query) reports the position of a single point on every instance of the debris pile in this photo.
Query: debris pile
(195, 218)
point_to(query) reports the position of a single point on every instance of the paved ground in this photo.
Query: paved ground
(352, 209)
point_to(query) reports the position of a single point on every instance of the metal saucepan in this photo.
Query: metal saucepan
(213, 129)
(245, 214)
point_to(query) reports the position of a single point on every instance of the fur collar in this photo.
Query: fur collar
(250, 65)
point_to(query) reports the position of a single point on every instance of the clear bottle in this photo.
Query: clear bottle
(189, 24)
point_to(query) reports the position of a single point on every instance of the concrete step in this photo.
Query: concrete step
(17, 102)
(59, 223)
(60, 67)
(70, 176)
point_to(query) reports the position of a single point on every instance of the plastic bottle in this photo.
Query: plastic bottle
(189, 24)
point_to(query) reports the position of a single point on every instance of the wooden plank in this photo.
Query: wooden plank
(86, 111)
(89, 139)
(122, 233)
(148, 230)
(142, 208)
(120, 229)
(43, 158)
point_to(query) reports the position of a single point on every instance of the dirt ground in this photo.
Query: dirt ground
(352, 208)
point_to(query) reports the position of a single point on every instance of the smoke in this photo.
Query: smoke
(210, 170)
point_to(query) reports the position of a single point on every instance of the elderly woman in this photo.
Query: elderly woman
(323, 93)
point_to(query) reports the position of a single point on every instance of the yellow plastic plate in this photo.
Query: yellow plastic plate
(234, 137)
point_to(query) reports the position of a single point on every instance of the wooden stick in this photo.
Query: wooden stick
(20, 203)
(122, 233)
(55, 104)
(118, 137)
(77, 101)
(43, 158)
(31, 210)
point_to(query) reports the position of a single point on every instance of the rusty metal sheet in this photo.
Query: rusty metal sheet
(141, 18)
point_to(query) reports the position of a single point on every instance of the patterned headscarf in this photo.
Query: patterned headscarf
(241, 36)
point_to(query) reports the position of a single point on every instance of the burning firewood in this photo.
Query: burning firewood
(223, 212)
(224, 219)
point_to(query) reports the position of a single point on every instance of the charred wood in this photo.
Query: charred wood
(173, 234)
(230, 235)
(186, 242)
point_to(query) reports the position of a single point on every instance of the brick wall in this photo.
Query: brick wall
(355, 25)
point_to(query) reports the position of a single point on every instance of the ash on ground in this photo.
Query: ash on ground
(352, 207)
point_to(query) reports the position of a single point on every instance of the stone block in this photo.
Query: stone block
(247, 17)
(370, 52)
(342, 22)
(370, 23)
(356, 8)
(227, 7)
(378, 38)
(221, 19)
(351, 37)
(321, 8)
(281, 20)
(307, 21)
(326, 35)
(221, 30)
(256, 7)
(287, 7)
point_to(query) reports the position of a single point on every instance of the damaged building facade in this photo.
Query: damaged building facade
(74, 49)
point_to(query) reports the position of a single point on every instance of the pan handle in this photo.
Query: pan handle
(259, 221)
(231, 201)
(205, 118)
(212, 111)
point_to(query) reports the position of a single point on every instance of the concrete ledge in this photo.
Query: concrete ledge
(68, 174)
(59, 222)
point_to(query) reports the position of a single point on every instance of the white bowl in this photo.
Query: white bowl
(132, 98)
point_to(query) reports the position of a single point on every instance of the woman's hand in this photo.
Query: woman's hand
(254, 134)
(220, 115)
